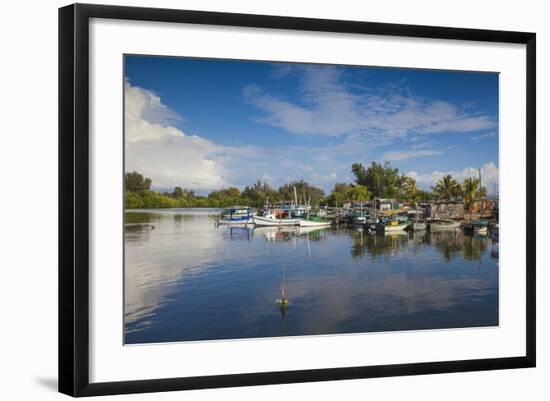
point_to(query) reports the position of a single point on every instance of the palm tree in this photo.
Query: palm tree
(472, 192)
(406, 187)
(447, 188)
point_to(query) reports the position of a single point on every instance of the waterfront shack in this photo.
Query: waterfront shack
(484, 207)
(445, 210)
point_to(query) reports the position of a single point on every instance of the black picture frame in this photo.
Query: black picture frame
(74, 198)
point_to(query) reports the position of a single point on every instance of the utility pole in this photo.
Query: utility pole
(480, 188)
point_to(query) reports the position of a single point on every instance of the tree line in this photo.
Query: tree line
(376, 180)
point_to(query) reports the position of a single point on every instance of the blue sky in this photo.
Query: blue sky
(203, 123)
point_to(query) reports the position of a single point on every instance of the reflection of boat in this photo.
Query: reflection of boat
(284, 233)
(236, 215)
(314, 221)
(441, 225)
(396, 234)
(476, 227)
(495, 250)
(269, 219)
(493, 229)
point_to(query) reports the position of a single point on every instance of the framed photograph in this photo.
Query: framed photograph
(250, 199)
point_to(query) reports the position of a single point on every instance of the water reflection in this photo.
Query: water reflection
(188, 279)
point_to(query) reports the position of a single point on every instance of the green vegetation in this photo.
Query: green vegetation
(138, 195)
(377, 180)
(471, 192)
(447, 189)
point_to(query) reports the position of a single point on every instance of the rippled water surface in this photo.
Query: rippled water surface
(188, 279)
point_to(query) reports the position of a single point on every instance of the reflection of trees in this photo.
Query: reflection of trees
(474, 247)
(377, 244)
(453, 243)
(132, 218)
(141, 217)
(450, 244)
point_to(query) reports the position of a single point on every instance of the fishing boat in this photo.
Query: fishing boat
(236, 215)
(444, 224)
(476, 227)
(359, 215)
(418, 226)
(392, 225)
(269, 219)
(314, 221)
(418, 222)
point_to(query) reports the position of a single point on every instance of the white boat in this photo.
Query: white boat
(270, 220)
(314, 222)
(476, 227)
(418, 226)
(442, 225)
(393, 226)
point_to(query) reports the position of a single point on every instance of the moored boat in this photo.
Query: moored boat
(418, 226)
(269, 219)
(236, 215)
(393, 225)
(476, 227)
(418, 220)
(314, 221)
(443, 224)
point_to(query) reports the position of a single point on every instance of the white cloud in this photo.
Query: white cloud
(328, 107)
(409, 154)
(489, 176)
(164, 153)
(484, 136)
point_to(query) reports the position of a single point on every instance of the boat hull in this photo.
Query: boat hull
(387, 228)
(444, 226)
(418, 226)
(309, 223)
(235, 222)
(274, 222)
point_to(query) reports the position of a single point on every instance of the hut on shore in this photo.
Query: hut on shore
(484, 207)
(445, 210)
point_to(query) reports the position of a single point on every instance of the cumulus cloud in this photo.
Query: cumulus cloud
(489, 176)
(164, 153)
(329, 107)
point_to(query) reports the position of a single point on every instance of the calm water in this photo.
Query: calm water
(187, 279)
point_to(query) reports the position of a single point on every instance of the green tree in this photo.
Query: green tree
(304, 191)
(135, 182)
(447, 188)
(343, 192)
(407, 187)
(423, 196)
(225, 193)
(132, 200)
(472, 192)
(258, 192)
(382, 180)
(180, 193)
(359, 193)
(339, 194)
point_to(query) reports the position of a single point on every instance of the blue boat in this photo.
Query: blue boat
(236, 215)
